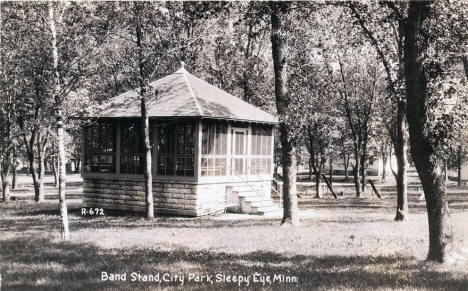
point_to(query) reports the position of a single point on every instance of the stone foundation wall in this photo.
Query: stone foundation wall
(114, 194)
(178, 198)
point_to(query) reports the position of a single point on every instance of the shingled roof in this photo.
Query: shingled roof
(182, 95)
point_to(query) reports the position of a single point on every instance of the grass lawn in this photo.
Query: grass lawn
(334, 248)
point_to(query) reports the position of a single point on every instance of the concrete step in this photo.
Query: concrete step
(264, 209)
(244, 188)
(256, 198)
(246, 194)
(262, 203)
(275, 213)
(269, 211)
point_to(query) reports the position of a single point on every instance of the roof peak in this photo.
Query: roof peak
(182, 68)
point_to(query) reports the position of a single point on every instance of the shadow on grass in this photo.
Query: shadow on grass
(44, 263)
(45, 216)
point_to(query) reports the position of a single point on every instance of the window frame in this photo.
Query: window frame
(261, 150)
(210, 159)
(190, 152)
(136, 151)
(95, 149)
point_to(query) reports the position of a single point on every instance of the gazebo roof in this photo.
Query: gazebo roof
(181, 95)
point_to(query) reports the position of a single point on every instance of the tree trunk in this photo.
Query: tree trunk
(38, 195)
(38, 179)
(148, 175)
(384, 167)
(446, 175)
(401, 147)
(346, 166)
(54, 166)
(14, 181)
(465, 64)
(311, 172)
(6, 189)
(318, 186)
(290, 209)
(65, 234)
(330, 170)
(41, 170)
(142, 79)
(77, 165)
(5, 175)
(278, 42)
(276, 167)
(62, 177)
(459, 165)
(356, 167)
(364, 167)
(13, 168)
(423, 152)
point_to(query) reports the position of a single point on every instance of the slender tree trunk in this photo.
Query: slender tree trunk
(38, 195)
(401, 148)
(41, 170)
(77, 165)
(318, 186)
(41, 175)
(5, 175)
(311, 171)
(54, 166)
(465, 64)
(392, 169)
(384, 167)
(6, 158)
(148, 176)
(364, 167)
(276, 167)
(423, 152)
(62, 176)
(60, 130)
(346, 166)
(144, 115)
(402, 188)
(14, 181)
(278, 43)
(446, 175)
(459, 165)
(356, 167)
(38, 180)
(6, 189)
(14, 169)
(330, 170)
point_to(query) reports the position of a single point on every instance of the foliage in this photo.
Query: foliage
(447, 106)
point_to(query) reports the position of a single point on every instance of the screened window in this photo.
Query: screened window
(176, 149)
(260, 160)
(99, 148)
(132, 157)
(214, 148)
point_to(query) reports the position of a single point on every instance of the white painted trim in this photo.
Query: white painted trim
(198, 149)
